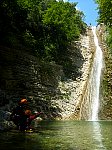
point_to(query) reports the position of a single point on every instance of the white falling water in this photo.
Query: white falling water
(95, 84)
(94, 92)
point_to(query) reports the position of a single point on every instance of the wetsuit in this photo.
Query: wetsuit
(18, 114)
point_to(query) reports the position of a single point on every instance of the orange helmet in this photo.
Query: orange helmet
(28, 112)
(23, 101)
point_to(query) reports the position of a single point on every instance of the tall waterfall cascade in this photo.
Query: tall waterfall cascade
(95, 79)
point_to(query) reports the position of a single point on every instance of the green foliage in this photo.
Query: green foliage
(12, 21)
(63, 24)
(105, 16)
(105, 11)
(109, 38)
(46, 27)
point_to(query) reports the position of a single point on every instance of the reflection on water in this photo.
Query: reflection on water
(61, 135)
(97, 135)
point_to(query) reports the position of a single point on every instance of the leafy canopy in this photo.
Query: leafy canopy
(105, 16)
(45, 27)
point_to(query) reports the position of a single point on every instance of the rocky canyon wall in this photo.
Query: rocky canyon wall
(76, 105)
(105, 112)
(23, 75)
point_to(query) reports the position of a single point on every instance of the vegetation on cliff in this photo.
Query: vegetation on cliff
(45, 27)
(105, 17)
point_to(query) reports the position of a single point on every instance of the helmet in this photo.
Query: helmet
(23, 101)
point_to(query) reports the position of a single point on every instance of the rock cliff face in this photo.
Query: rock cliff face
(105, 112)
(105, 109)
(23, 75)
(75, 103)
(91, 96)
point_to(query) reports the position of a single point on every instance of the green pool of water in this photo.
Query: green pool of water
(61, 135)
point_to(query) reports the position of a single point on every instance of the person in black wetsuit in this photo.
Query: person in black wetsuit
(27, 119)
(18, 113)
(22, 116)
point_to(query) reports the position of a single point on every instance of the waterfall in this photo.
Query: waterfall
(95, 79)
(94, 91)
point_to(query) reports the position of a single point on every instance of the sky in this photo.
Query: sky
(89, 9)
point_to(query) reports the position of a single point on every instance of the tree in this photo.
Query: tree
(105, 16)
(12, 21)
(46, 27)
(63, 24)
(105, 11)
